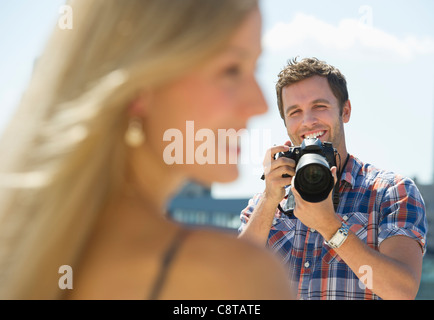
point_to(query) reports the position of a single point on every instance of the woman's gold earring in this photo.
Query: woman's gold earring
(135, 136)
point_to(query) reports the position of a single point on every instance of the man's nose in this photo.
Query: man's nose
(309, 119)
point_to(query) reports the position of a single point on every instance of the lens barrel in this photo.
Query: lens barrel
(314, 180)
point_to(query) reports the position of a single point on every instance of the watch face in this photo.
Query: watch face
(339, 237)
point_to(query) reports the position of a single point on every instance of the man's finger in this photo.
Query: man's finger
(276, 149)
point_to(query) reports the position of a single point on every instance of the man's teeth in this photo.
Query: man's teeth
(314, 135)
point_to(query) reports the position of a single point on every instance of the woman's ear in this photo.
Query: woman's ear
(346, 112)
(139, 106)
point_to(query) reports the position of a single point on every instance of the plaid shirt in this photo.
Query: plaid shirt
(375, 205)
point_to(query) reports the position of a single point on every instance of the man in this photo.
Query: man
(369, 242)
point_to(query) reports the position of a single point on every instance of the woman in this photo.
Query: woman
(84, 180)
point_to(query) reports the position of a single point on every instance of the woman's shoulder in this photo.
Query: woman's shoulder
(216, 265)
(224, 243)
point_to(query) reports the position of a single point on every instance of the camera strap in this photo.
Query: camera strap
(338, 184)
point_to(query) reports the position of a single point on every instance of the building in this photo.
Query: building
(195, 206)
(427, 192)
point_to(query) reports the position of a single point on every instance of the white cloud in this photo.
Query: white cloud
(350, 37)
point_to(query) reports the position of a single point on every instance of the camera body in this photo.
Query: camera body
(314, 160)
(311, 145)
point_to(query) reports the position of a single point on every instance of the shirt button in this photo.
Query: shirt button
(312, 230)
(345, 218)
(307, 264)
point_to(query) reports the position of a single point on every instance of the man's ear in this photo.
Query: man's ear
(346, 112)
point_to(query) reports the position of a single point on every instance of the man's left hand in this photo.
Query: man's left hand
(319, 216)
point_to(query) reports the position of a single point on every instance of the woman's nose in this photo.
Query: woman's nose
(254, 102)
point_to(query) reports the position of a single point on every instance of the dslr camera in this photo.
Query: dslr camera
(314, 160)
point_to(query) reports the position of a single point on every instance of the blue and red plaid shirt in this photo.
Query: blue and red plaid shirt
(375, 205)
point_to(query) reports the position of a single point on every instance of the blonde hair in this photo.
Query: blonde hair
(63, 153)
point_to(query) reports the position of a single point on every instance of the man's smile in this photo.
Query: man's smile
(314, 134)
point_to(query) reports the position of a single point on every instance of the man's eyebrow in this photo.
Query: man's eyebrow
(321, 100)
(316, 101)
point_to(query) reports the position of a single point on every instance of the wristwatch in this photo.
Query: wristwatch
(339, 237)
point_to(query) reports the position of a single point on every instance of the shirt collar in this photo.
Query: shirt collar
(350, 171)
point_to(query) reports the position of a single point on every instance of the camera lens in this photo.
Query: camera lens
(314, 180)
(313, 174)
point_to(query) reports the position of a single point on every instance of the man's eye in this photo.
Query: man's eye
(294, 113)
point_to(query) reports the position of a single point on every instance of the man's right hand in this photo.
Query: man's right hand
(274, 169)
(260, 221)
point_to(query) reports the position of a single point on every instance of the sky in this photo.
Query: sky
(384, 48)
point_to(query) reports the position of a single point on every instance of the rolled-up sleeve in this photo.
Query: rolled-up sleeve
(403, 213)
(247, 211)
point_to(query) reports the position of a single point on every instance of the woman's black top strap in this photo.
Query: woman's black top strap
(167, 261)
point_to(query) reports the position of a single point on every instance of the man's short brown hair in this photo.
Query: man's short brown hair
(296, 71)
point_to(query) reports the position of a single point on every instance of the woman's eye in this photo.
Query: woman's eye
(233, 71)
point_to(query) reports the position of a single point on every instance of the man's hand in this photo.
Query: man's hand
(274, 169)
(320, 216)
(261, 219)
(396, 267)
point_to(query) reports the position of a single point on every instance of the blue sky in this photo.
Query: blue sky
(384, 48)
(24, 29)
(386, 51)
